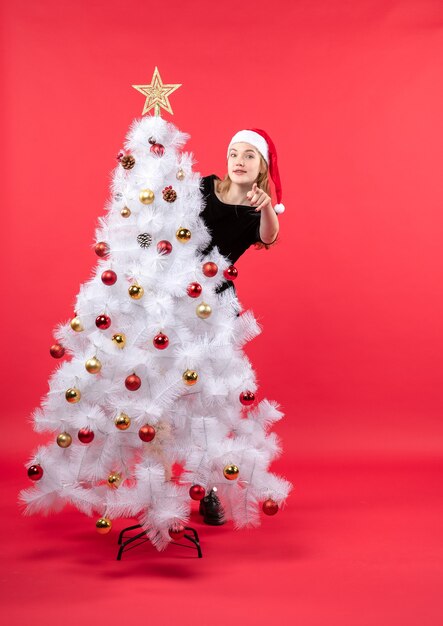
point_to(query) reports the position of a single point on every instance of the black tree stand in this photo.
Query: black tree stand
(140, 538)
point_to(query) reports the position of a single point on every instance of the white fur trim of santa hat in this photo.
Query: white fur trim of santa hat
(256, 140)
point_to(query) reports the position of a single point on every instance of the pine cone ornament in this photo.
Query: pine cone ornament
(169, 194)
(127, 161)
(144, 240)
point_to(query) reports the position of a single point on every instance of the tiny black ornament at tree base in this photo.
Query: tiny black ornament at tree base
(211, 509)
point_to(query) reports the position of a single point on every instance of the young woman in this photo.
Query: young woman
(238, 213)
(238, 209)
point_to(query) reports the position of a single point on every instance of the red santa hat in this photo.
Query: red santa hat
(264, 144)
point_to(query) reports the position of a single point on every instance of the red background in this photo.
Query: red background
(350, 299)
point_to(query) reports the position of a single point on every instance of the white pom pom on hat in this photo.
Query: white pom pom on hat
(264, 144)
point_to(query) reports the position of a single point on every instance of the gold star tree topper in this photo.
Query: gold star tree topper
(156, 94)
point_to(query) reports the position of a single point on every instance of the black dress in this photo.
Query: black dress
(233, 227)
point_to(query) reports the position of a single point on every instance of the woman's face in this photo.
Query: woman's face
(243, 163)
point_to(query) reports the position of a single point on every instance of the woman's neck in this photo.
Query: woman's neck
(236, 194)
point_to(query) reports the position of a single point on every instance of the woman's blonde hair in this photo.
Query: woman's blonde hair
(223, 186)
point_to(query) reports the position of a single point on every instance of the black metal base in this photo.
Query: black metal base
(142, 537)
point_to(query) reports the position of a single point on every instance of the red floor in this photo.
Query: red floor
(358, 545)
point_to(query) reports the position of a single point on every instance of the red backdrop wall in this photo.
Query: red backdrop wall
(351, 299)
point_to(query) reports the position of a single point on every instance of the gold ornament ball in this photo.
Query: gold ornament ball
(125, 212)
(190, 377)
(203, 310)
(73, 395)
(76, 325)
(114, 479)
(93, 365)
(103, 525)
(64, 440)
(183, 234)
(119, 340)
(122, 421)
(180, 174)
(136, 292)
(146, 196)
(231, 472)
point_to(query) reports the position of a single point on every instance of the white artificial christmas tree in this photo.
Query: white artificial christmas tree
(157, 374)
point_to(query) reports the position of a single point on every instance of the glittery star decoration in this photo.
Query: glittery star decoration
(156, 94)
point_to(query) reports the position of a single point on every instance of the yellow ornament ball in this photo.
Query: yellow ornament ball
(180, 174)
(93, 365)
(125, 212)
(122, 421)
(103, 525)
(119, 339)
(136, 292)
(114, 479)
(231, 472)
(73, 395)
(146, 196)
(203, 310)
(190, 377)
(64, 440)
(76, 325)
(183, 234)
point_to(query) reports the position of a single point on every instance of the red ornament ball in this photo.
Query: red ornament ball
(109, 277)
(146, 433)
(270, 507)
(209, 269)
(194, 290)
(230, 272)
(133, 382)
(103, 322)
(247, 397)
(164, 247)
(197, 492)
(157, 149)
(161, 341)
(57, 351)
(85, 435)
(178, 532)
(35, 472)
(101, 248)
